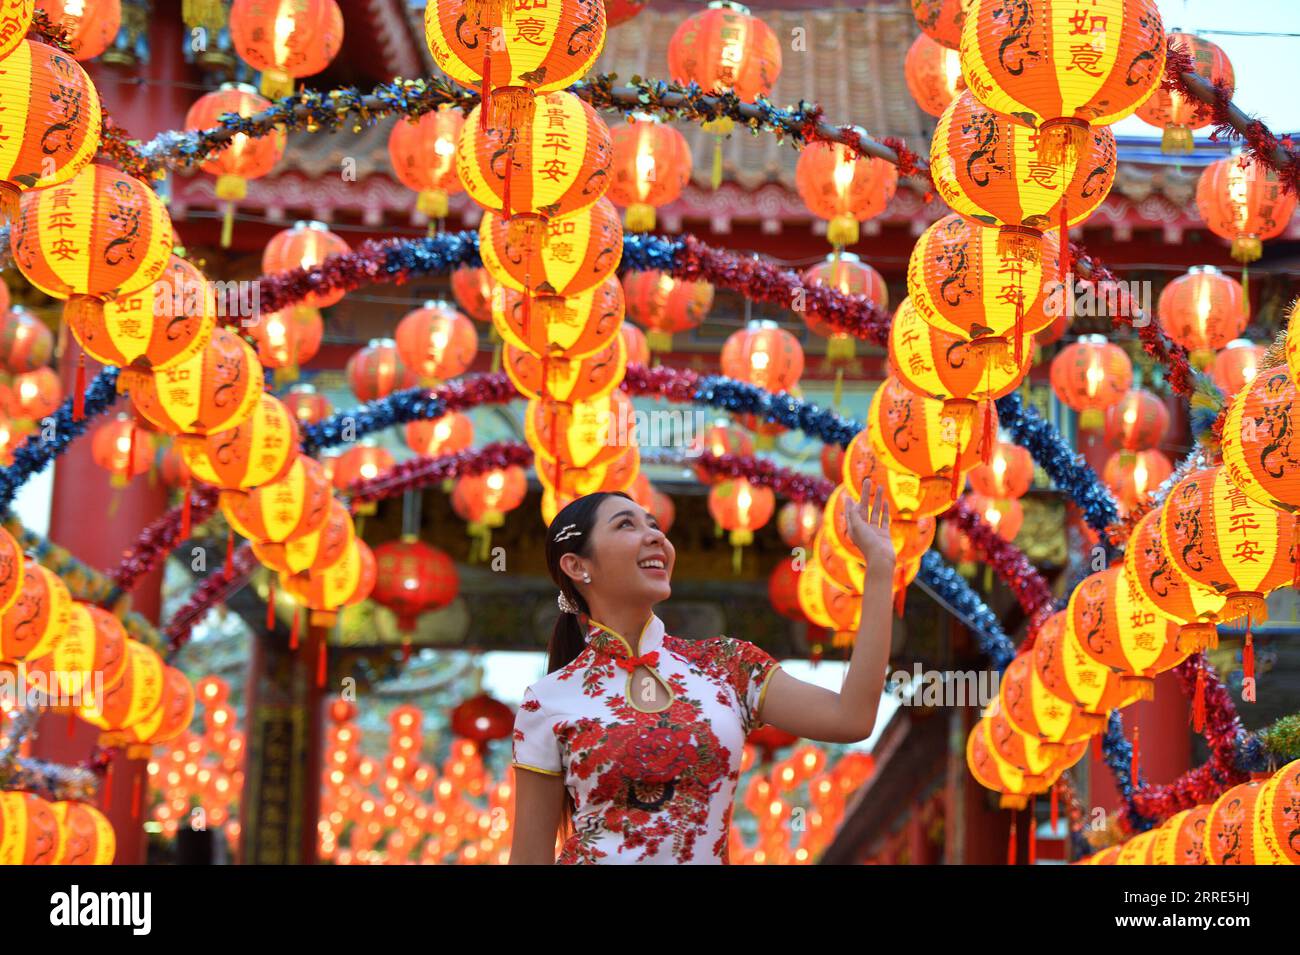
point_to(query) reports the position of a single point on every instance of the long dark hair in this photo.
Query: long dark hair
(568, 639)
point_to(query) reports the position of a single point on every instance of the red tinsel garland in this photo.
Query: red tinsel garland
(160, 538)
(1223, 731)
(785, 482)
(419, 472)
(1010, 564)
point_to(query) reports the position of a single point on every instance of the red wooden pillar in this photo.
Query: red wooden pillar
(96, 523)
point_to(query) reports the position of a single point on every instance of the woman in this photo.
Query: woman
(633, 739)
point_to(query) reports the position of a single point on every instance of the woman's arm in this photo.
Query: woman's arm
(814, 712)
(539, 803)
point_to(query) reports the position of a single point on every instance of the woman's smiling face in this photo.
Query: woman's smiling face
(630, 555)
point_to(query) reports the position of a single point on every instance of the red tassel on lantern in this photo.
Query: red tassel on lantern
(1198, 700)
(135, 796)
(987, 450)
(505, 189)
(485, 93)
(1033, 834)
(1055, 810)
(293, 630)
(321, 661)
(406, 649)
(1011, 841)
(1096, 746)
(1065, 242)
(79, 389)
(1248, 653)
(185, 511)
(270, 606)
(1133, 764)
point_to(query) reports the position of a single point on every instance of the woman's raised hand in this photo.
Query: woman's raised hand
(869, 528)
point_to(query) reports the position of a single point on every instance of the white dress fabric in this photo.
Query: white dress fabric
(649, 787)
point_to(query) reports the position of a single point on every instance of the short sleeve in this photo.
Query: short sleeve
(535, 745)
(751, 669)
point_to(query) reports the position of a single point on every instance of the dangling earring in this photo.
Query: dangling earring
(586, 577)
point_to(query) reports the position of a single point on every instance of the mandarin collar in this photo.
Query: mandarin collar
(602, 638)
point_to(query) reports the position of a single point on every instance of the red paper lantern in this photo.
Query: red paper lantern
(1009, 472)
(361, 462)
(1177, 115)
(783, 591)
(38, 393)
(634, 342)
(285, 39)
(423, 154)
(741, 508)
(1243, 201)
(941, 20)
(288, 338)
(725, 49)
(436, 341)
(572, 254)
(305, 246)
(844, 188)
(832, 458)
(1202, 311)
(413, 578)
(377, 370)
(1005, 515)
(472, 289)
(765, 355)
(798, 522)
(122, 448)
(933, 74)
(26, 342)
(482, 719)
(306, 404)
(1134, 475)
(449, 434)
(651, 166)
(620, 11)
(664, 305)
(1090, 376)
(1137, 422)
(1236, 365)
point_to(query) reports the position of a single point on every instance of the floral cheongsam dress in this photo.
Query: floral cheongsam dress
(648, 787)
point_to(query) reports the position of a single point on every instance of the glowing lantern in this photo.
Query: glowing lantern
(38, 617)
(215, 390)
(1202, 311)
(51, 144)
(989, 168)
(1244, 202)
(377, 370)
(122, 449)
(764, 355)
(909, 497)
(650, 166)
(283, 510)
(564, 379)
(569, 482)
(1177, 114)
(1236, 365)
(26, 342)
(134, 697)
(844, 188)
(635, 344)
(798, 522)
(1219, 538)
(1194, 607)
(486, 498)
(172, 716)
(361, 462)
(1260, 453)
(413, 578)
(937, 365)
(1070, 84)
(720, 439)
(245, 157)
(87, 835)
(37, 394)
(87, 208)
(910, 538)
(1231, 834)
(345, 583)
(92, 648)
(832, 459)
(1137, 422)
(941, 20)
(1187, 847)
(12, 564)
(472, 289)
(306, 404)
(1132, 475)
(285, 39)
(1023, 752)
(1004, 515)
(725, 49)
(304, 246)
(954, 261)
(620, 11)
(933, 74)
(783, 591)
(1116, 626)
(1090, 376)
(288, 338)
(1278, 811)
(1070, 674)
(256, 451)
(436, 341)
(571, 327)
(573, 254)
(513, 58)
(12, 434)
(29, 830)
(1009, 472)
(503, 164)
(664, 305)
(450, 433)
(581, 433)
(423, 154)
(849, 275)
(924, 436)
(164, 324)
(741, 507)
(314, 551)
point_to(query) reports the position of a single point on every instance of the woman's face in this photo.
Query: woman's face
(630, 555)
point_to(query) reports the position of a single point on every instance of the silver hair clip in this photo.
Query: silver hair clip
(569, 530)
(566, 605)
